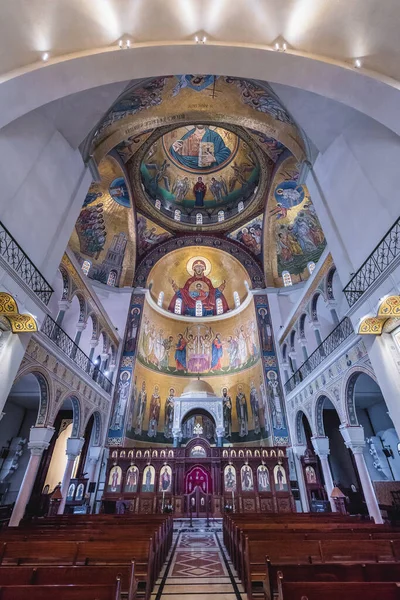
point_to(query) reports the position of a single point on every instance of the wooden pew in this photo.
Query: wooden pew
(334, 590)
(61, 592)
(104, 575)
(328, 572)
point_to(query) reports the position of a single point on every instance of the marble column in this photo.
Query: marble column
(298, 452)
(92, 460)
(63, 306)
(321, 448)
(74, 447)
(316, 327)
(39, 440)
(354, 440)
(93, 345)
(293, 357)
(79, 328)
(303, 344)
(104, 356)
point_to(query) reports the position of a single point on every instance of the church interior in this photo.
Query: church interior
(199, 300)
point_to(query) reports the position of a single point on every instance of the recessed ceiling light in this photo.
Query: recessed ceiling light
(45, 56)
(201, 40)
(358, 63)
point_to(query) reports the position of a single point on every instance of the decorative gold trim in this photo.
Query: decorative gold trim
(8, 305)
(135, 125)
(372, 326)
(390, 307)
(22, 323)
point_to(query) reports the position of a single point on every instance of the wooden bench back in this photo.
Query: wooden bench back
(60, 592)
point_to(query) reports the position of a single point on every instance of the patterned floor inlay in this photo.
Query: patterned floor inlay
(198, 567)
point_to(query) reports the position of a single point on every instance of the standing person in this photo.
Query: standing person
(169, 414)
(254, 407)
(180, 354)
(142, 401)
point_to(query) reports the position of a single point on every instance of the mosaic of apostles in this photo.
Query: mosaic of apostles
(250, 235)
(297, 230)
(199, 348)
(201, 166)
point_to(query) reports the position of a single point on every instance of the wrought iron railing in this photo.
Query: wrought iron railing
(13, 254)
(330, 343)
(377, 262)
(57, 335)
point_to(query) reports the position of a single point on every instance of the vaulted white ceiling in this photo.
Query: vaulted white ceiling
(330, 29)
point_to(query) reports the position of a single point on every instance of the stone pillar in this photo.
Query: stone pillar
(93, 344)
(286, 367)
(321, 448)
(220, 436)
(79, 328)
(93, 459)
(332, 307)
(104, 356)
(303, 344)
(74, 447)
(292, 355)
(63, 306)
(316, 327)
(298, 452)
(355, 440)
(39, 440)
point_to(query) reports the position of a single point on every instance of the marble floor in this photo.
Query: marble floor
(198, 565)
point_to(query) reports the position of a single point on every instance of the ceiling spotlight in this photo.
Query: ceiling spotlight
(357, 63)
(280, 48)
(201, 40)
(124, 44)
(45, 56)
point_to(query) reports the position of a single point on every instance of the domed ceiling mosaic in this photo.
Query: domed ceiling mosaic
(206, 154)
(200, 166)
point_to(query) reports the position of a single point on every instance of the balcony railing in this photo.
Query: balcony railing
(57, 335)
(13, 254)
(377, 262)
(330, 343)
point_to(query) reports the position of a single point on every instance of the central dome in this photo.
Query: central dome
(198, 387)
(198, 174)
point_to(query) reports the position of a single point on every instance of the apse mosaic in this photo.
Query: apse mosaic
(195, 274)
(104, 234)
(201, 166)
(149, 234)
(250, 235)
(246, 406)
(184, 349)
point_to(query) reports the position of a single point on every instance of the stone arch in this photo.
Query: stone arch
(318, 413)
(313, 306)
(66, 283)
(97, 427)
(113, 353)
(299, 429)
(105, 341)
(82, 306)
(44, 381)
(329, 284)
(95, 324)
(348, 386)
(292, 340)
(251, 265)
(76, 403)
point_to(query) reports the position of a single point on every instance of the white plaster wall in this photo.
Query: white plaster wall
(353, 190)
(115, 302)
(44, 182)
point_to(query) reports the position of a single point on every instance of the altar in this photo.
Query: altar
(198, 478)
